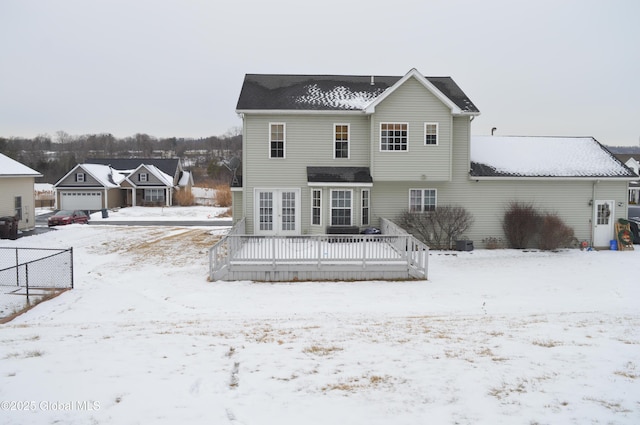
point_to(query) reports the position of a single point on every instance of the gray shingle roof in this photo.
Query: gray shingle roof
(167, 166)
(329, 92)
(339, 175)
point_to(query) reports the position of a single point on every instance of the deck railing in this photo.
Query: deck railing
(318, 253)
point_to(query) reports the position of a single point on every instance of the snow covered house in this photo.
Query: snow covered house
(324, 152)
(109, 183)
(17, 197)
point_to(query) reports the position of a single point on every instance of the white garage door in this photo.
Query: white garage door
(81, 200)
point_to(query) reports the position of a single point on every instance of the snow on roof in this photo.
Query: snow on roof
(12, 168)
(338, 97)
(185, 179)
(524, 156)
(164, 177)
(106, 175)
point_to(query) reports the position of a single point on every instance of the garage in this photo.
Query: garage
(84, 200)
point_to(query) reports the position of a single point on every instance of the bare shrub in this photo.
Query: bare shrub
(520, 224)
(554, 233)
(437, 228)
(184, 197)
(223, 195)
(492, 243)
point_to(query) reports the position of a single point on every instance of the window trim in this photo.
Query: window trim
(80, 178)
(318, 207)
(284, 140)
(366, 222)
(380, 136)
(332, 191)
(437, 134)
(143, 177)
(348, 141)
(153, 190)
(422, 198)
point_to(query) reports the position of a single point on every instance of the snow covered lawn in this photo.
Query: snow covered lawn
(494, 337)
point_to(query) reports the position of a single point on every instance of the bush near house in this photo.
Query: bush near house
(223, 195)
(520, 224)
(438, 228)
(524, 227)
(554, 233)
(184, 197)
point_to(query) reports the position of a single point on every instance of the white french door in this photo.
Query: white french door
(277, 212)
(603, 223)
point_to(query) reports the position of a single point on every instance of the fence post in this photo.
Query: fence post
(71, 265)
(17, 270)
(26, 274)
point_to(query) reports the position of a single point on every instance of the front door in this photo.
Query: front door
(603, 223)
(277, 212)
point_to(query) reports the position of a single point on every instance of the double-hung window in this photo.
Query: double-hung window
(366, 205)
(316, 207)
(394, 136)
(154, 195)
(431, 133)
(143, 177)
(422, 200)
(341, 141)
(341, 207)
(80, 177)
(277, 135)
(18, 207)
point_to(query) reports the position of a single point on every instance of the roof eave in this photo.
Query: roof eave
(567, 178)
(299, 111)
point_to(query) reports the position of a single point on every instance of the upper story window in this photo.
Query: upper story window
(394, 136)
(80, 177)
(143, 177)
(422, 200)
(431, 133)
(276, 140)
(341, 141)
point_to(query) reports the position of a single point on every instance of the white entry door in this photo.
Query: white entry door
(277, 212)
(603, 223)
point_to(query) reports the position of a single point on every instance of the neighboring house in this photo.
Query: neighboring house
(632, 160)
(109, 183)
(326, 152)
(17, 197)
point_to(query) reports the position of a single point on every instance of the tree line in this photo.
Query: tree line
(55, 156)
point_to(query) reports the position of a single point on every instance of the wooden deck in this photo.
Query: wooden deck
(319, 257)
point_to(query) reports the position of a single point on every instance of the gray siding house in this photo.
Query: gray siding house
(324, 152)
(110, 183)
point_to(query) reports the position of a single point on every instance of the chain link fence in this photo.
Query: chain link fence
(35, 268)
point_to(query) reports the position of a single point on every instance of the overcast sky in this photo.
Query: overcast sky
(175, 67)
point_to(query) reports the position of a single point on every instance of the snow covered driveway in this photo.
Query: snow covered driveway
(495, 337)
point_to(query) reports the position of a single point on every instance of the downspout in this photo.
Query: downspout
(593, 210)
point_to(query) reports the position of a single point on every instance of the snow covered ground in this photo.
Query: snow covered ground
(494, 337)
